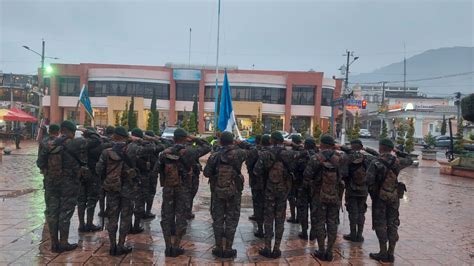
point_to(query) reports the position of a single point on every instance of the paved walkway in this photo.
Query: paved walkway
(437, 226)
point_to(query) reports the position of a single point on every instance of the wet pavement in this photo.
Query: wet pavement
(437, 226)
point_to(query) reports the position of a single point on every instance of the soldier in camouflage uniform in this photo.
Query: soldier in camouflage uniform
(193, 188)
(358, 160)
(62, 162)
(386, 191)
(175, 169)
(107, 140)
(277, 165)
(250, 162)
(324, 174)
(223, 170)
(293, 195)
(90, 183)
(304, 200)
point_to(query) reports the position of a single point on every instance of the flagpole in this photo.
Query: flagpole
(216, 92)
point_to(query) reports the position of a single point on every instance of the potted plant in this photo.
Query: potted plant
(410, 141)
(428, 152)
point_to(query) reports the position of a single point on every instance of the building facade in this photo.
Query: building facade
(287, 100)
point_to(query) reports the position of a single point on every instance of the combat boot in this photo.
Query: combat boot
(360, 230)
(218, 251)
(113, 244)
(53, 232)
(177, 250)
(148, 214)
(382, 255)
(352, 236)
(391, 251)
(259, 232)
(329, 250)
(229, 252)
(168, 247)
(267, 250)
(303, 235)
(63, 243)
(136, 229)
(81, 211)
(276, 249)
(292, 218)
(121, 248)
(312, 234)
(321, 252)
(90, 227)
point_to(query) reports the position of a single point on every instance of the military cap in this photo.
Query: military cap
(180, 133)
(54, 128)
(150, 133)
(276, 135)
(265, 140)
(136, 132)
(328, 140)
(68, 125)
(109, 130)
(387, 143)
(310, 141)
(91, 129)
(296, 139)
(227, 137)
(356, 142)
(121, 131)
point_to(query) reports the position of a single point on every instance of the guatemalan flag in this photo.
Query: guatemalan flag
(86, 101)
(226, 114)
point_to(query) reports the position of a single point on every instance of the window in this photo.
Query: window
(303, 95)
(250, 94)
(100, 117)
(126, 88)
(69, 86)
(185, 91)
(327, 97)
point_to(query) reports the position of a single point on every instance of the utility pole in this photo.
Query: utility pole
(344, 94)
(457, 102)
(404, 69)
(189, 57)
(382, 105)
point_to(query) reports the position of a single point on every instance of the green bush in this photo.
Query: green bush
(467, 107)
(430, 140)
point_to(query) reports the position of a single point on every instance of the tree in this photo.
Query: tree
(185, 121)
(459, 141)
(317, 132)
(195, 111)
(124, 118)
(257, 126)
(117, 119)
(132, 117)
(149, 121)
(443, 126)
(354, 134)
(192, 125)
(155, 123)
(384, 133)
(303, 128)
(275, 124)
(401, 134)
(410, 143)
(430, 140)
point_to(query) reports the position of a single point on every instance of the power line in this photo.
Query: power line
(421, 79)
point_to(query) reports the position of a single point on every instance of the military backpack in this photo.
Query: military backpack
(229, 180)
(279, 177)
(358, 172)
(173, 170)
(329, 193)
(389, 191)
(55, 159)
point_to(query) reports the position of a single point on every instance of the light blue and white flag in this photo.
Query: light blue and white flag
(226, 112)
(86, 101)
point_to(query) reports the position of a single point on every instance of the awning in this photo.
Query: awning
(15, 114)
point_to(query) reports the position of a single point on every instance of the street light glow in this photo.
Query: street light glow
(49, 69)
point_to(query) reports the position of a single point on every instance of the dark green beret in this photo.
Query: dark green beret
(387, 143)
(227, 137)
(258, 138)
(276, 135)
(68, 125)
(136, 132)
(356, 142)
(150, 133)
(121, 131)
(180, 133)
(54, 128)
(310, 141)
(296, 139)
(328, 140)
(91, 129)
(265, 140)
(109, 130)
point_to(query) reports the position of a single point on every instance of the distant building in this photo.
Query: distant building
(17, 88)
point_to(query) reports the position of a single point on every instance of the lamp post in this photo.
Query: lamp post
(344, 94)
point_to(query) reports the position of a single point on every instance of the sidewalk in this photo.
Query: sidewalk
(437, 227)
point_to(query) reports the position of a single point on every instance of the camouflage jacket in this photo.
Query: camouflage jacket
(312, 175)
(351, 156)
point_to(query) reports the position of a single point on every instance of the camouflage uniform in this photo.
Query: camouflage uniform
(107, 143)
(275, 195)
(61, 193)
(293, 195)
(304, 200)
(225, 206)
(175, 198)
(153, 178)
(257, 185)
(385, 215)
(324, 216)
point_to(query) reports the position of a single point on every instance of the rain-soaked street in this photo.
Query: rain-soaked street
(437, 226)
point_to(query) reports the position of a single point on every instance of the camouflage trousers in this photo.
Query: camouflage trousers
(275, 213)
(356, 207)
(89, 192)
(173, 210)
(386, 220)
(305, 205)
(153, 182)
(119, 205)
(225, 217)
(325, 219)
(60, 198)
(141, 194)
(258, 200)
(192, 190)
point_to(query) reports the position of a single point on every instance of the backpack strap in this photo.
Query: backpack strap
(219, 161)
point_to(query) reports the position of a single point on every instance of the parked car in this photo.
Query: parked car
(443, 141)
(284, 133)
(168, 133)
(364, 133)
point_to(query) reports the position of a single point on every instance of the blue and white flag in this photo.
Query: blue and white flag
(86, 101)
(226, 113)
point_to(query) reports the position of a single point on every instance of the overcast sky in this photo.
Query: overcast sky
(275, 35)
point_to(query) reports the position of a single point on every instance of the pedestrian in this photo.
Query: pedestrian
(277, 165)
(323, 172)
(62, 159)
(175, 169)
(17, 136)
(118, 172)
(293, 195)
(90, 183)
(304, 200)
(385, 191)
(250, 162)
(357, 163)
(223, 169)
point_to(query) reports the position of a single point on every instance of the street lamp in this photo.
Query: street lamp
(344, 94)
